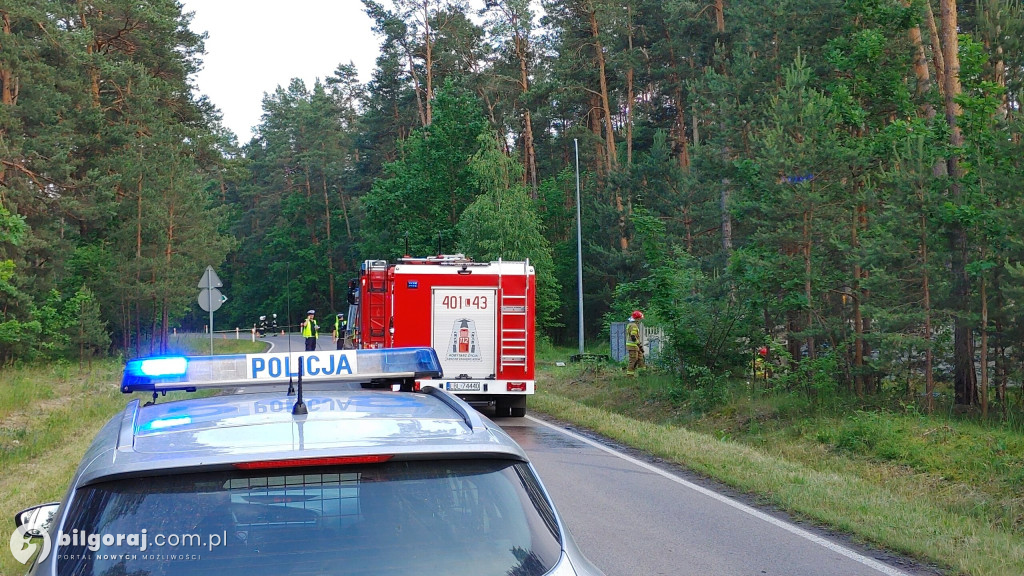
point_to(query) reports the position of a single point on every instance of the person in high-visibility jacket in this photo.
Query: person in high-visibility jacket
(310, 330)
(634, 343)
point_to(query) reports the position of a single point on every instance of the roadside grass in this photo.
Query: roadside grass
(49, 414)
(943, 491)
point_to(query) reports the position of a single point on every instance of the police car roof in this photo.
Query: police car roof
(343, 419)
(222, 432)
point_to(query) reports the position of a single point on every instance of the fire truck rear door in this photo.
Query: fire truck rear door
(464, 331)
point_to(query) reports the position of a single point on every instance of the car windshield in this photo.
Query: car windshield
(455, 517)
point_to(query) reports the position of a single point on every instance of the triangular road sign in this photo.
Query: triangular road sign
(210, 279)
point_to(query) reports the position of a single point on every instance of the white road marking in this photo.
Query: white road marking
(870, 562)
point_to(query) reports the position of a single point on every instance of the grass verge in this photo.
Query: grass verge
(849, 474)
(49, 415)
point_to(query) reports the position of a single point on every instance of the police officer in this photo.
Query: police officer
(340, 327)
(310, 330)
(634, 345)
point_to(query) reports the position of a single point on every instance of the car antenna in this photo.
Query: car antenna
(300, 407)
(288, 320)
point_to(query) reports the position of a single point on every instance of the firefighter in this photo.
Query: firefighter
(761, 363)
(340, 327)
(310, 330)
(273, 323)
(262, 326)
(634, 344)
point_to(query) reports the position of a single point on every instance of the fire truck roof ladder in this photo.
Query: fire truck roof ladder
(513, 321)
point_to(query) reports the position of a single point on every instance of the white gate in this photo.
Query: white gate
(652, 337)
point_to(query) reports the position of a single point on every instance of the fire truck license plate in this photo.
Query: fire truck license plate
(464, 386)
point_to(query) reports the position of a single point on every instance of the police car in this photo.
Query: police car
(340, 462)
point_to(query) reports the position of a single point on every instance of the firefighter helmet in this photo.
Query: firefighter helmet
(638, 315)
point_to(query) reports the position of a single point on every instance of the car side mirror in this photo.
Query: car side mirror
(37, 519)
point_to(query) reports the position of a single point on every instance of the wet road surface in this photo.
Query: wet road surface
(632, 517)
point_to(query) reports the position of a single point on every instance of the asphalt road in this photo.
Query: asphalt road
(632, 516)
(278, 343)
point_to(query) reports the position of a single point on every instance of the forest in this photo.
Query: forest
(838, 181)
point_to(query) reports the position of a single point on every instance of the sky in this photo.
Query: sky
(254, 46)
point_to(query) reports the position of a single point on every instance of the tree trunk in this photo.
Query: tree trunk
(594, 119)
(688, 228)
(929, 377)
(806, 252)
(344, 213)
(939, 168)
(629, 89)
(723, 204)
(330, 246)
(8, 82)
(681, 142)
(421, 107)
(858, 318)
(153, 339)
(937, 50)
(720, 16)
(168, 254)
(609, 134)
(693, 125)
(965, 381)
(999, 76)
(94, 74)
(684, 146)
(984, 350)
(528, 147)
(138, 221)
(1001, 371)
(531, 153)
(924, 81)
(429, 61)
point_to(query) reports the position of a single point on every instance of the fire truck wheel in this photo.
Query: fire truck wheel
(502, 409)
(518, 411)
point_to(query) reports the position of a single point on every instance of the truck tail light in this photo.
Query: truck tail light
(516, 386)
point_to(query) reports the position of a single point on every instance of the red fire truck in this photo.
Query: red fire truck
(478, 316)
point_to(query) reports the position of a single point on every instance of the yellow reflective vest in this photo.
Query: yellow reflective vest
(310, 329)
(632, 335)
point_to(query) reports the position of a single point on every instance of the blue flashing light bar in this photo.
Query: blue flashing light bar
(165, 374)
(161, 367)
